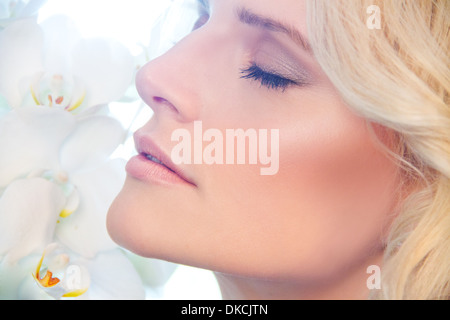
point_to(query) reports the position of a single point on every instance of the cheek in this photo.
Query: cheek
(334, 193)
(341, 182)
(337, 156)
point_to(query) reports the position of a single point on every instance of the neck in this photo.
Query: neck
(349, 285)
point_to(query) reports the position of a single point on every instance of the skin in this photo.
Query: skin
(311, 230)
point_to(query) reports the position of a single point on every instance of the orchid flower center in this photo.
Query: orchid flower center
(57, 91)
(72, 281)
(48, 280)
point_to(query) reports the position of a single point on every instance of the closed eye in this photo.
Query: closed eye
(266, 78)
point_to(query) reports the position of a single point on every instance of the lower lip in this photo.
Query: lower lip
(146, 170)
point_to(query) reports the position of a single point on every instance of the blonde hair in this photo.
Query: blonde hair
(398, 76)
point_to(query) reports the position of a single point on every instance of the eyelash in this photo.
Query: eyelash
(267, 79)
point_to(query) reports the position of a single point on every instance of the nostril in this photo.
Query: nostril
(159, 100)
(164, 102)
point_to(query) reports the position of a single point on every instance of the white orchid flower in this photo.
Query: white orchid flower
(4, 106)
(58, 183)
(59, 277)
(51, 65)
(29, 210)
(11, 10)
(74, 154)
(57, 179)
(107, 276)
(59, 274)
(30, 139)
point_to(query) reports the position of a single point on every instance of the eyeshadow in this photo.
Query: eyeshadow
(272, 56)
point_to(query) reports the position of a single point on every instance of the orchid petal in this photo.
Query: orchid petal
(4, 10)
(30, 139)
(16, 281)
(21, 46)
(73, 201)
(29, 290)
(77, 281)
(105, 67)
(84, 232)
(4, 106)
(29, 209)
(114, 277)
(60, 34)
(31, 8)
(91, 143)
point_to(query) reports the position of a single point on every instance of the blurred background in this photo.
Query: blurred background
(147, 28)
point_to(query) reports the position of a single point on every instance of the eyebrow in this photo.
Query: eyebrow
(247, 17)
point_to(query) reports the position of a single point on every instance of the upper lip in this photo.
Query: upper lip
(146, 146)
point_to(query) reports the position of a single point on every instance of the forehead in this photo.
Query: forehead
(291, 12)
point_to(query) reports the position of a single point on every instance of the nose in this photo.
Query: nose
(170, 84)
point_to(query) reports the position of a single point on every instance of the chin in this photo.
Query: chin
(148, 220)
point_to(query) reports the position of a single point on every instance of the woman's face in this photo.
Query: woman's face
(323, 206)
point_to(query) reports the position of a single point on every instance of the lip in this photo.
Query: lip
(144, 169)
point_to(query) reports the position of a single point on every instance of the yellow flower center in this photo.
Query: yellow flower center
(49, 283)
(55, 91)
(48, 280)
